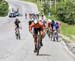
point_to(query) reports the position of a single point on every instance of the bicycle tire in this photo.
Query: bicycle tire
(17, 33)
(38, 44)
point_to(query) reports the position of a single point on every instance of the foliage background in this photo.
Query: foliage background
(4, 8)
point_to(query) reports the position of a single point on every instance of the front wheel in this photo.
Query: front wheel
(17, 33)
(38, 44)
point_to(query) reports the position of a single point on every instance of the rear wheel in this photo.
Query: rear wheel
(55, 36)
(19, 36)
(17, 33)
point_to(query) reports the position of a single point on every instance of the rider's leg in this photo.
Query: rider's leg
(54, 35)
(42, 36)
(35, 44)
(35, 40)
(57, 36)
(51, 34)
(16, 33)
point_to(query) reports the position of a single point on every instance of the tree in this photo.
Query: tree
(67, 13)
(3, 8)
(0, 0)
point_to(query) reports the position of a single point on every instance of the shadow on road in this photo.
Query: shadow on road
(44, 55)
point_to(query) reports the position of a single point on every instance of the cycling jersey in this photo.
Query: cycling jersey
(39, 25)
(54, 26)
(17, 23)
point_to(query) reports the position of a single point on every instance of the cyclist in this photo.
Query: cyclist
(37, 26)
(58, 26)
(25, 15)
(49, 23)
(49, 27)
(17, 26)
(55, 26)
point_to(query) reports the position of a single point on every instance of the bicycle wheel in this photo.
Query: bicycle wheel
(38, 44)
(19, 36)
(17, 33)
(57, 37)
(48, 32)
(53, 36)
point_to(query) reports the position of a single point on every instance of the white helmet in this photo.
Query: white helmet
(35, 21)
(32, 19)
(49, 20)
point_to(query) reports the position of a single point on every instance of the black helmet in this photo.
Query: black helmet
(53, 21)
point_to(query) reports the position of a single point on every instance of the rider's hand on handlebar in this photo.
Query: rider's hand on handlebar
(31, 32)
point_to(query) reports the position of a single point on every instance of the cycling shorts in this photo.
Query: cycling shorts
(36, 30)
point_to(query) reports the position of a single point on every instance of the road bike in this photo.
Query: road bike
(17, 33)
(55, 36)
(38, 45)
(49, 33)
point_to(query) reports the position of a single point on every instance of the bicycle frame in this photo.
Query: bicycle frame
(55, 36)
(38, 42)
(17, 32)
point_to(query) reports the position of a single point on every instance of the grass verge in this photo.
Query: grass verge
(68, 29)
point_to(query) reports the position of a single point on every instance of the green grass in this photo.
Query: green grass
(30, 1)
(68, 29)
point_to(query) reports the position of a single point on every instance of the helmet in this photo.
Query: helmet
(49, 20)
(56, 22)
(35, 21)
(32, 19)
(53, 21)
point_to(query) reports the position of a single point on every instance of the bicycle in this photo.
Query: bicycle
(17, 33)
(55, 36)
(38, 42)
(49, 33)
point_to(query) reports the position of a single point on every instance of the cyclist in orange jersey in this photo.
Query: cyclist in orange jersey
(34, 28)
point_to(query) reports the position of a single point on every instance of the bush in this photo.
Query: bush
(46, 8)
(4, 8)
(65, 12)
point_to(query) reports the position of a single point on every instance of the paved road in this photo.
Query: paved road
(22, 50)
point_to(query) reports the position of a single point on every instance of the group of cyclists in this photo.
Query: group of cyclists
(42, 26)
(53, 28)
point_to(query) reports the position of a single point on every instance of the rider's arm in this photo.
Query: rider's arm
(30, 27)
(42, 26)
